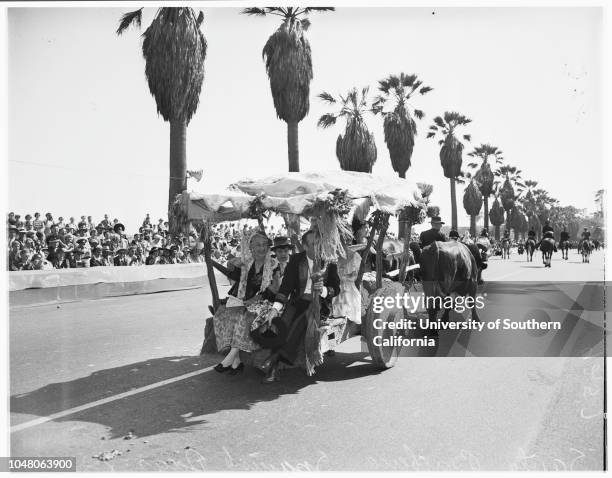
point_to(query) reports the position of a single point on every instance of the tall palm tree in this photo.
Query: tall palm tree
(289, 66)
(497, 215)
(510, 192)
(174, 50)
(356, 150)
(472, 202)
(399, 125)
(451, 151)
(485, 176)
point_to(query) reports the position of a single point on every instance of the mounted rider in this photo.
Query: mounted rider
(564, 236)
(547, 233)
(585, 235)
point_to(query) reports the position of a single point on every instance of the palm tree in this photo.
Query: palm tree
(484, 176)
(398, 117)
(289, 66)
(472, 202)
(356, 150)
(451, 151)
(174, 50)
(496, 215)
(511, 189)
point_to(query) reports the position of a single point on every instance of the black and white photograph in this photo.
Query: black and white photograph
(358, 237)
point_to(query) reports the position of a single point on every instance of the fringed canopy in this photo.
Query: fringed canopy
(296, 193)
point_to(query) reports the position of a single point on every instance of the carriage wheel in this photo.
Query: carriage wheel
(384, 356)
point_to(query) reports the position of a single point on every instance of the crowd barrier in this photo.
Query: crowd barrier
(63, 285)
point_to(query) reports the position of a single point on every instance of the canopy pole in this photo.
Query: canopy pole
(379, 249)
(212, 280)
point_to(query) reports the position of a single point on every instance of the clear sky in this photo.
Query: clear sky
(85, 139)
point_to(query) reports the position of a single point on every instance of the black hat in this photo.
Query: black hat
(453, 234)
(117, 226)
(436, 220)
(282, 242)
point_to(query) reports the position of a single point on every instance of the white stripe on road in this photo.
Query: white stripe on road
(97, 403)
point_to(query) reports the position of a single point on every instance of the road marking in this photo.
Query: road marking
(97, 403)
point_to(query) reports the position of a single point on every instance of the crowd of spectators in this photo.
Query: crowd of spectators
(44, 243)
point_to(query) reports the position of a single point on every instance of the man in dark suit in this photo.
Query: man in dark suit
(295, 293)
(433, 234)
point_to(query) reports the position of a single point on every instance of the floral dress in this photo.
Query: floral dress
(233, 324)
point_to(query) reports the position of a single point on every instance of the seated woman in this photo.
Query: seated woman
(255, 283)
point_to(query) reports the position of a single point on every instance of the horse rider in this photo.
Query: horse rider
(564, 236)
(547, 233)
(547, 227)
(585, 236)
(433, 234)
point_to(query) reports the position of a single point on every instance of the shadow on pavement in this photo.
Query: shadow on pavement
(178, 405)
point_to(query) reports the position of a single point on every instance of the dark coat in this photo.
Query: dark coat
(431, 235)
(294, 281)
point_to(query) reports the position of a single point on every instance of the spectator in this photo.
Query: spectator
(58, 258)
(121, 258)
(48, 223)
(153, 257)
(81, 257)
(71, 226)
(107, 256)
(28, 223)
(97, 260)
(11, 219)
(37, 224)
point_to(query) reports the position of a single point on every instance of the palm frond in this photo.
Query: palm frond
(261, 12)
(327, 97)
(305, 24)
(430, 135)
(425, 89)
(419, 114)
(439, 121)
(326, 121)
(319, 9)
(128, 19)
(467, 137)
(200, 18)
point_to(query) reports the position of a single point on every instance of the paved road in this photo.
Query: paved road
(118, 360)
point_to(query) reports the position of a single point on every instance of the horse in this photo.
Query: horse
(547, 246)
(530, 246)
(448, 268)
(505, 243)
(585, 249)
(596, 244)
(520, 249)
(564, 246)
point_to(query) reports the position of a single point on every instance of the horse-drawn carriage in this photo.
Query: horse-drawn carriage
(325, 201)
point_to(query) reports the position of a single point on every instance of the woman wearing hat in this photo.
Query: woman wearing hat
(254, 274)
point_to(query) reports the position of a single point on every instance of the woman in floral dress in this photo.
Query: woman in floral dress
(254, 275)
